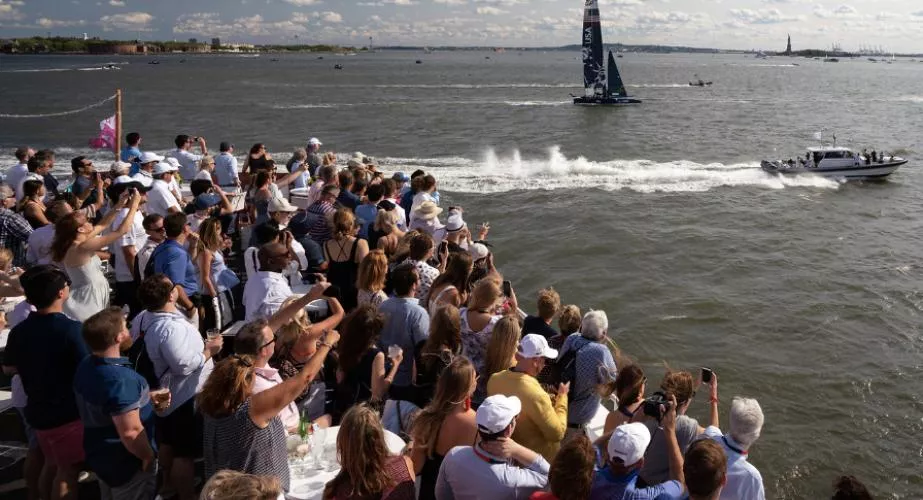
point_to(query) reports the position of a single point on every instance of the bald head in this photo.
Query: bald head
(273, 257)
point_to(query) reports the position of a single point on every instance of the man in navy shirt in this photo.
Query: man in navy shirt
(115, 405)
(45, 350)
(626, 449)
(172, 259)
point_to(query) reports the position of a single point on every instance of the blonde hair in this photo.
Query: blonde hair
(504, 339)
(373, 270)
(288, 334)
(210, 235)
(344, 223)
(6, 259)
(451, 390)
(385, 221)
(233, 485)
(485, 295)
(548, 303)
(362, 450)
(570, 320)
(205, 162)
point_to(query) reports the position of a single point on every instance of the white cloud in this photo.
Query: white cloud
(761, 16)
(117, 3)
(303, 3)
(490, 11)
(9, 12)
(131, 21)
(451, 2)
(331, 17)
(16, 3)
(45, 22)
(839, 12)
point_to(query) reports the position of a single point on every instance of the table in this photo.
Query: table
(312, 487)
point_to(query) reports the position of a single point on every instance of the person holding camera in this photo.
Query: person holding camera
(188, 161)
(496, 466)
(544, 419)
(626, 448)
(679, 385)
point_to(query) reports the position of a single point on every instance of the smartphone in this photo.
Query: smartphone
(507, 288)
(706, 375)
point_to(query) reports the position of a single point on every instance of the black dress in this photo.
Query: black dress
(356, 386)
(343, 274)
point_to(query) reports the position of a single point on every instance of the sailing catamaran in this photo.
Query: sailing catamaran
(598, 90)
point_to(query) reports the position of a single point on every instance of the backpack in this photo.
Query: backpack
(565, 369)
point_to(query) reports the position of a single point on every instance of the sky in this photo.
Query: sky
(893, 25)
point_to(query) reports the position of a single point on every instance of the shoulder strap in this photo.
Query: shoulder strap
(352, 253)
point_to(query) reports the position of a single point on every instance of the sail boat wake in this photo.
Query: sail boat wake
(599, 90)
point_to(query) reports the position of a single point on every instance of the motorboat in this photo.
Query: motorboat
(700, 83)
(602, 85)
(836, 162)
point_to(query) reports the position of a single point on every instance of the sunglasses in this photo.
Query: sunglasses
(158, 229)
(271, 342)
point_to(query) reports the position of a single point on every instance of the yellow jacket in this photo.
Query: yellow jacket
(542, 423)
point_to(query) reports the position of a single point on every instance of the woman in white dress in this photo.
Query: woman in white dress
(74, 247)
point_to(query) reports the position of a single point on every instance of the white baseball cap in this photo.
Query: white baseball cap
(629, 442)
(534, 345)
(123, 179)
(496, 413)
(147, 157)
(164, 167)
(281, 205)
(314, 141)
(173, 161)
(478, 251)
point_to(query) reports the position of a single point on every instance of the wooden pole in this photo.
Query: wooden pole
(118, 124)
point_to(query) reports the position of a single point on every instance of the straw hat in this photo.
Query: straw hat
(427, 210)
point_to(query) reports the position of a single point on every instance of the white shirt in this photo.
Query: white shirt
(175, 346)
(145, 178)
(744, 482)
(39, 252)
(135, 237)
(464, 475)
(14, 177)
(144, 255)
(203, 175)
(292, 272)
(226, 169)
(264, 294)
(188, 162)
(402, 214)
(160, 199)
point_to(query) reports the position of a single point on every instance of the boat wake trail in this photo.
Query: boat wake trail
(495, 174)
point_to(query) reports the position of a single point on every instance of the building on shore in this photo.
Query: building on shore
(122, 48)
(788, 49)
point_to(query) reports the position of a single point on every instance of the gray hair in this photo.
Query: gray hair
(300, 154)
(6, 192)
(595, 325)
(746, 421)
(118, 168)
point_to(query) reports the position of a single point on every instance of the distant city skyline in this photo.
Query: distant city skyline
(895, 25)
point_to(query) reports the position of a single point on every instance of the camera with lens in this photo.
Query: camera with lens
(656, 405)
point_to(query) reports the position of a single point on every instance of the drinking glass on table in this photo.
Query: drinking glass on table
(317, 446)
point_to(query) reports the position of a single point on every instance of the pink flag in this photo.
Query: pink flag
(106, 138)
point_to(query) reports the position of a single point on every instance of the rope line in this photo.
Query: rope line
(63, 113)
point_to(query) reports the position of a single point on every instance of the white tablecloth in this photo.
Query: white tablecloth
(4, 337)
(312, 486)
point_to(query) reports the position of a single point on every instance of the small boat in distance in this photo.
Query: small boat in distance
(699, 83)
(836, 162)
(598, 89)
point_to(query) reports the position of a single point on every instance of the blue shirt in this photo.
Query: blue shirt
(46, 349)
(348, 199)
(406, 324)
(131, 154)
(172, 259)
(226, 169)
(365, 215)
(595, 367)
(607, 485)
(104, 388)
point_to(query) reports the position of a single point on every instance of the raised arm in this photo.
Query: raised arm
(284, 315)
(94, 243)
(336, 316)
(267, 404)
(674, 454)
(290, 178)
